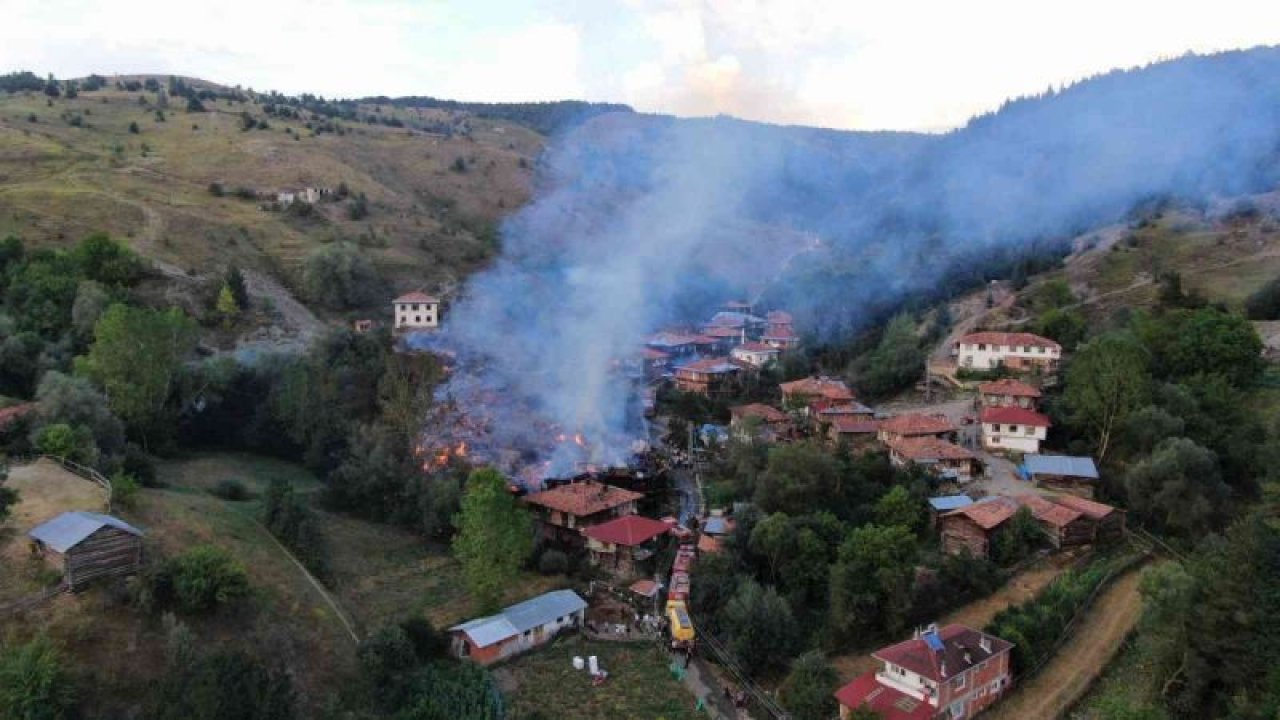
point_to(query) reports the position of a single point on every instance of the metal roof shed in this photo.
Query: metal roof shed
(1062, 465)
(89, 545)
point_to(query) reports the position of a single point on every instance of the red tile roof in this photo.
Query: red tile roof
(708, 544)
(1013, 415)
(415, 297)
(651, 354)
(583, 498)
(853, 424)
(1008, 386)
(760, 410)
(887, 703)
(1006, 339)
(629, 530)
(722, 332)
(829, 388)
(712, 366)
(1049, 511)
(957, 640)
(667, 338)
(1090, 508)
(929, 448)
(918, 424)
(778, 317)
(779, 332)
(988, 513)
(13, 413)
(645, 588)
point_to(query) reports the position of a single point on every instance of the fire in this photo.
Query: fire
(579, 440)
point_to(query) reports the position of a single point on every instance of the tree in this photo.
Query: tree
(759, 627)
(897, 361)
(1179, 488)
(798, 478)
(1264, 303)
(1106, 381)
(340, 277)
(63, 441)
(63, 399)
(234, 279)
(900, 507)
(194, 105)
(124, 490)
(8, 496)
(135, 358)
(91, 301)
(227, 307)
(772, 538)
(102, 259)
(51, 87)
(34, 684)
(223, 684)
(494, 537)
(1067, 327)
(1017, 540)
(202, 579)
(133, 128)
(1207, 341)
(871, 581)
(807, 690)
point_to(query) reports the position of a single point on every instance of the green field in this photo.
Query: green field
(640, 683)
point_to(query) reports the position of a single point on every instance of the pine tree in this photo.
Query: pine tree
(227, 307)
(494, 537)
(239, 290)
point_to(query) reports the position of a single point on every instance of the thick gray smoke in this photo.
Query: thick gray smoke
(645, 221)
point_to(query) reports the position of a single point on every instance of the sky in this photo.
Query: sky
(851, 64)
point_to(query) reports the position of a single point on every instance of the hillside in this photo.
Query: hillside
(70, 166)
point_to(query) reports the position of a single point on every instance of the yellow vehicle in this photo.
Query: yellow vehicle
(682, 633)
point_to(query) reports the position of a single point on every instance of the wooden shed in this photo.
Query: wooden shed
(973, 527)
(1063, 525)
(89, 546)
(1108, 521)
(1063, 473)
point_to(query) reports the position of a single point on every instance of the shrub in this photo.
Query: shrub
(140, 465)
(553, 562)
(231, 489)
(124, 490)
(215, 189)
(133, 128)
(340, 277)
(202, 579)
(1264, 304)
(34, 685)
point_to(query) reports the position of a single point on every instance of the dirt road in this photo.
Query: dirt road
(1081, 660)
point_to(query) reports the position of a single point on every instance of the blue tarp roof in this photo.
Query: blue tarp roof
(715, 526)
(71, 528)
(933, 641)
(1066, 465)
(522, 616)
(950, 502)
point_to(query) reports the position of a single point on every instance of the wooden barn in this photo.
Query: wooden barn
(89, 546)
(974, 527)
(1108, 521)
(1063, 473)
(1064, 526)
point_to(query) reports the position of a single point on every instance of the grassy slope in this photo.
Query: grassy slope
(59, 182)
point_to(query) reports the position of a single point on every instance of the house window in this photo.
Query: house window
(982, 347)
(1040, 349)
(1030, 430)
(1026, 349)
(417, 318)
(415, 307)
(957, 683)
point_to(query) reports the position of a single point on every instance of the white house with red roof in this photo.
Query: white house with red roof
(416, 311)
(755, 354)
(1008, 391)
(621, 545)
(949, 673)
(1013, 428)
(1017, 351)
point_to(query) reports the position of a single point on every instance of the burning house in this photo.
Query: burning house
(712, 376)
(563, 512)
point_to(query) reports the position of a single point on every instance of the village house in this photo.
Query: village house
(944, 459)
(564, 511)
(1015, 351)
(939, 506)
(801, 394)
(416, 311)
(622, 545)
(914, 425)
(518, 628)
(674, 344)
(1013, 428)
(309, 195)
(758, 421)
(1063, 473)
(974, 527)
(712, 376)
(725, 339)
(654, 363)
(1008, 392)
(857, 431)
(12, 415)
(780, 331)
(755, 354)
(1108, 521)
(1064, 526)
(940, 674)
(745, 322)
(88, 546)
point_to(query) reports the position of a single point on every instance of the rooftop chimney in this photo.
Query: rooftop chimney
(984, 642)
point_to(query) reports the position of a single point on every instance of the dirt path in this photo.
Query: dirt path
(1072, 671)
(1023, 586)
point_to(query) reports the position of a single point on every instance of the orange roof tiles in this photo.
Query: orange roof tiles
(1008, 386)
(1049, 511)
(988, 513)
(853, 424)
(829, 388)
(12, 414)
(1006, 339)
(929, 448)
(917, 424)
(1013, 415)
(415, 297)
(760, 410)
(583, 498)
(628, 530)
(1090, 508)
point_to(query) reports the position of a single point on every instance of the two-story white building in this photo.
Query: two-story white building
(1013, 428)
(416, 311)
(755, 354)
(1016, 351)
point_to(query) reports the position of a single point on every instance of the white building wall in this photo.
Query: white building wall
(994, 355)
(1013, 437)
(427, 315)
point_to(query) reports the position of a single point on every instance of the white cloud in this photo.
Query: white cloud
(842, 63)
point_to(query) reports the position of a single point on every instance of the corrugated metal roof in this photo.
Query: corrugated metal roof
(950, 502)
(1065, 465)
(71, 528)
(522, 616)
(716, 526)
